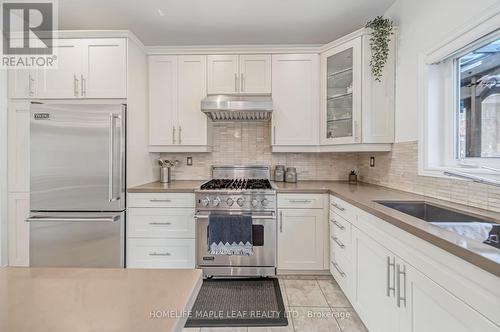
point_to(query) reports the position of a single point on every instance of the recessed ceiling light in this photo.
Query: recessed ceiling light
(161, 13)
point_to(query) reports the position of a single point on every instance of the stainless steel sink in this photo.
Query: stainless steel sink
(440, 215)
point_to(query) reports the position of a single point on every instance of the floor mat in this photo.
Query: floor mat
(238, 302)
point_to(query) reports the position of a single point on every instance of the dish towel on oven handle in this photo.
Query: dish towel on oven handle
(230, 234)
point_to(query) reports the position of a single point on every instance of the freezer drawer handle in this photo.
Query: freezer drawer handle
(160, 200)
(60, 219)
(159, 254)
(160, 223)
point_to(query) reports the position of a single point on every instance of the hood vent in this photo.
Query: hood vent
(237, 108)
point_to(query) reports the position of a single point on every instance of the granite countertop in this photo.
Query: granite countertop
(363, 196)
(74, 299)
(178, 186)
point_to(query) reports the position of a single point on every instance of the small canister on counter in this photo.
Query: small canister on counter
(279, 173)
(291, 174)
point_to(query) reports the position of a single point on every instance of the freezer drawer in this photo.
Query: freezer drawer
(77, 157)
(77, 239)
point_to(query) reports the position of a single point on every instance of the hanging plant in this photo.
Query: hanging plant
(381, 31)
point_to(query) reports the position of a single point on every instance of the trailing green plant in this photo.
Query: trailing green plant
(381, 31)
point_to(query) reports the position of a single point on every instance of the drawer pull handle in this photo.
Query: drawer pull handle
(335, 205)
(160, 200)
(160, 223)
(337, 241)
(337, 267)
(300, 201)
(339, 225)
(159, 254)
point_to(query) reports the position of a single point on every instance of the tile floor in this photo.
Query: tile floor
(315, 303)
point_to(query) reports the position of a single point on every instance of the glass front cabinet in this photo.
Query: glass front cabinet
(355, 109)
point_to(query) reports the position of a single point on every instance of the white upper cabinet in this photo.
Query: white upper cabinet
(356, 108)
(105, 68)
(241, 74)
(162, 99)
(341, 80)
(295, 86)
(192, 88)
(64, 81)
(177, 85)
(255, 73)
(85, 68)
(222, 74)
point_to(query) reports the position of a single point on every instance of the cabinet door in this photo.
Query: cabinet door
(22, 83)
(192, 88)
(18, 147)
(105, 68)
(64, 81)
(222, 74)
(255, 74)
(295, 85)
(162, 100)
(375, 300)
(430, 308)
(341, 94)
(19, 236)
(300, 239)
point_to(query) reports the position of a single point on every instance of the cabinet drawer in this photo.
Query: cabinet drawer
(342, 208)
(340, 228)
(160, 223)
(342, 273)
(300, 201)
(161, 200)
(339, 248)
(161, 253)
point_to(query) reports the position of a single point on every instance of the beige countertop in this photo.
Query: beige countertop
(80, 300)
(182, 186)
(363, 196)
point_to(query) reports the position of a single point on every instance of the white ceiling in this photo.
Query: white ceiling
(223, 22)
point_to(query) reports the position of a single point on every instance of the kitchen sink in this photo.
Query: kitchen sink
(443, 217)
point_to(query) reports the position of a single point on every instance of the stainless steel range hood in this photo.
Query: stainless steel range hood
(237, 107)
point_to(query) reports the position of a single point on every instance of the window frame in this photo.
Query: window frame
(439, 92)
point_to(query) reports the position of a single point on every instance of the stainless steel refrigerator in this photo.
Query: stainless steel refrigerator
(77, 185)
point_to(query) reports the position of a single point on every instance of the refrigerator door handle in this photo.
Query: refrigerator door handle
(62, 219)
(111, 182)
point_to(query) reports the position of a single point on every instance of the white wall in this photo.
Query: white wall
(141, 165)
(422, 25)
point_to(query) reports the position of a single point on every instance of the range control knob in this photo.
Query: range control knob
(240, 201)
(255, 202)
(216, 201)
(205, 201)
(230, 201)
(265, 202)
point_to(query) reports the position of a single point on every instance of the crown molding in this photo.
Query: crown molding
(102, 34)
(232, 49)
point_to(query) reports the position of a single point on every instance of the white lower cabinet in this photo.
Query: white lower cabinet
(301, 233)
(387, 291)
(431, 308)
(161, 231)
(19, 231)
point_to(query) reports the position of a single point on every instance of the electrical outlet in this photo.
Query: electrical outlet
(372, 161)
(189, 161)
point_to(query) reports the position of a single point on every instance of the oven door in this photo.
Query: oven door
(264, 244)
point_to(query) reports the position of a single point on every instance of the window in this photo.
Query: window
(478, 114)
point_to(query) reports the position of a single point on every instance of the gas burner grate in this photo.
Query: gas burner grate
(237, 184)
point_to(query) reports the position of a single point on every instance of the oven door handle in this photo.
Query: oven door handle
(205, 216)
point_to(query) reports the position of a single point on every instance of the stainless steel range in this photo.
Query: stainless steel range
(238, 190)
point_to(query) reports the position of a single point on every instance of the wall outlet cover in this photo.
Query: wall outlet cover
(189, 161)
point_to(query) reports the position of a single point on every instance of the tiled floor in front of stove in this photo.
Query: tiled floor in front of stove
(315, 303)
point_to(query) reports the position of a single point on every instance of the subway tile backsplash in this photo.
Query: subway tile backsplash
(249, 143)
